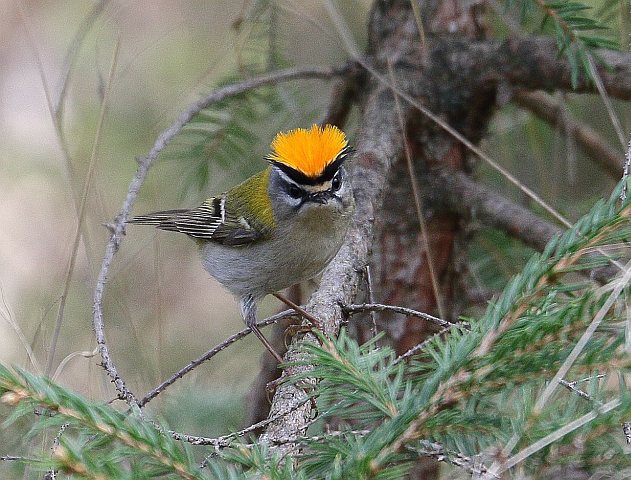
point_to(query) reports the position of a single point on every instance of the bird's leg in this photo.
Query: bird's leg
(314, 321)
(248, 310)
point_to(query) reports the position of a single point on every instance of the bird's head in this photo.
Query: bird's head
(308, 172)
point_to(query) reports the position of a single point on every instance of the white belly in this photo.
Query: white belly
(283, 260)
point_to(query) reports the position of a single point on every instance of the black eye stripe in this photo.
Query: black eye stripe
(294, 191)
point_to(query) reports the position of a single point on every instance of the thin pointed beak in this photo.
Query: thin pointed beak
(320, 197)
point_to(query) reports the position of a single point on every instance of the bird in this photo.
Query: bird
(280, 227)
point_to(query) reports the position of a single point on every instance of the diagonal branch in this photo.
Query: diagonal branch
(546, 108)
(461, 194)
(211, 353)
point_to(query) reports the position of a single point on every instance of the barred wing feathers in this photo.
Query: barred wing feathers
(209, 221)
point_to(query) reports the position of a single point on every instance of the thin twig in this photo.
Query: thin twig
(350, 309)
(144, 163)
(571, 386)
(209, 354)
(225, 440)
(418, 204)
(379, 307)
(420, 346)
(425, 448)
(53, 473)
(82, 206)
(438, 452)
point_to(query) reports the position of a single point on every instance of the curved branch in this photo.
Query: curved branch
(144, 163)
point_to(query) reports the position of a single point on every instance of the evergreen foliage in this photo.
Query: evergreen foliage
(577, 27)
(468, 393)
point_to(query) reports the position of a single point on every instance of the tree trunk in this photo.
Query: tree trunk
(408, 268)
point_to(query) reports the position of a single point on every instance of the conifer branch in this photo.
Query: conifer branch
(24, 392)
(571, 27)
(524, 293)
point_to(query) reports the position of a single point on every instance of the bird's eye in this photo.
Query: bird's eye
(336, 183)
(294, 191)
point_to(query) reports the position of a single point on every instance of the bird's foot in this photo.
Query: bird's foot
(314, 321)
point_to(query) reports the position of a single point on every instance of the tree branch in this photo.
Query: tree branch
(211, 353)
(378, 144)
(378, 307)
(464, 196)
(533, 62)
(546, 108)
(461, 194)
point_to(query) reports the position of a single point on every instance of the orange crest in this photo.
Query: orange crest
(308, 151)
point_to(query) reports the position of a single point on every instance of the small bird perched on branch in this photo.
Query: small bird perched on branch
(279, 227)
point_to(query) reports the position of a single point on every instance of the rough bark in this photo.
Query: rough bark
(406, 270)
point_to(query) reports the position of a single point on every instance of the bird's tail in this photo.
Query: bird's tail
(164, 220)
